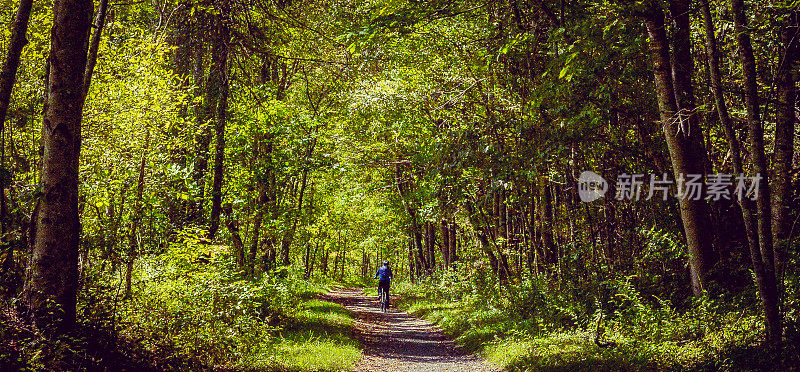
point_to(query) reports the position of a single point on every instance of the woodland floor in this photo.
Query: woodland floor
(397, 341)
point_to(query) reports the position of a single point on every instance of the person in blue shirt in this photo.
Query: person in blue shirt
(384, 276)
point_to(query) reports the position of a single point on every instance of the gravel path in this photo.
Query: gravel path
(397, 341)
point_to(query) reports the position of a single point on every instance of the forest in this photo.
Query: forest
(210, 185)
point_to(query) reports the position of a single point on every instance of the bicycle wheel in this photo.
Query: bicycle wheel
(384, 300)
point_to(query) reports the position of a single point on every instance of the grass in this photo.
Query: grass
(318, 337)
(569, 351)
(642, 337)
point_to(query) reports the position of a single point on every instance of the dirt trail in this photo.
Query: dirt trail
(397, 341)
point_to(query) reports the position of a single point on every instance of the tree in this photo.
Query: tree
(8, 76)
(218, 76)
(762, 258)
(52, 276)
(11, 63)
(785, 125)
(681, 130)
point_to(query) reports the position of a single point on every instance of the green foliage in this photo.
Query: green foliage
(534, 325)
(473, 108)
(193, 301)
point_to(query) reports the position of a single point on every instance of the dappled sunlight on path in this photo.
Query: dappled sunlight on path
(397, 341)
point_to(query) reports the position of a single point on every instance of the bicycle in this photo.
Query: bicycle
(384, 298)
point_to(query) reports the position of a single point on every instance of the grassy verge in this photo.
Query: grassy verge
(548, 335)
(188, 315)
(272, 324)
(316, 338)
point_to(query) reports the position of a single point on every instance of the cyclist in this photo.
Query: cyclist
(384, 276)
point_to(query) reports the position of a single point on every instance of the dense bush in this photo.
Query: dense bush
(190, 309)
(535, 324)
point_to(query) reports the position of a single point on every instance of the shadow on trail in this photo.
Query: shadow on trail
(397, 341)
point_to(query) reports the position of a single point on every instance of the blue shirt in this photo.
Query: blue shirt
(384, 274)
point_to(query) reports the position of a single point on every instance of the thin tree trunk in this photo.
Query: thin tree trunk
(313, 258)
(502, 228)
(445, 246)
(412, 269)
(493, 261)
(766, 279)
(324, 261)
(547, 225)
(52, 273)
(307, 261)
(416, 235)
(219, 66)
(430, 239)
(784, 142)
(533, 235)
(133, 240)
(8, 76)
(17, 42)
(286, 243)
(746, 205)
(94, 45)
(343, 252)
(203, 120)
(453, 242)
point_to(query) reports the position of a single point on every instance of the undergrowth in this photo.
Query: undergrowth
(611, 325)
(190, 310)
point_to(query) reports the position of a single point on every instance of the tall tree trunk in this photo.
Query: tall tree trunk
(533, 236)
(430, 243)
(681, 132)
(343, 252)
(784, 141)
(445, 246)
(219, 68)
(52, 273)
(8, 76)
(766, 279)
(746, 205)
(682, 64)
(682, 71)
(324, 261)
(94, 45)
(203, 119)
(17, 42)
(192, 52)
(416, 235)
(453, 235)
(311, 260)
(307, 261)
(546, 219)
(288, 238)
